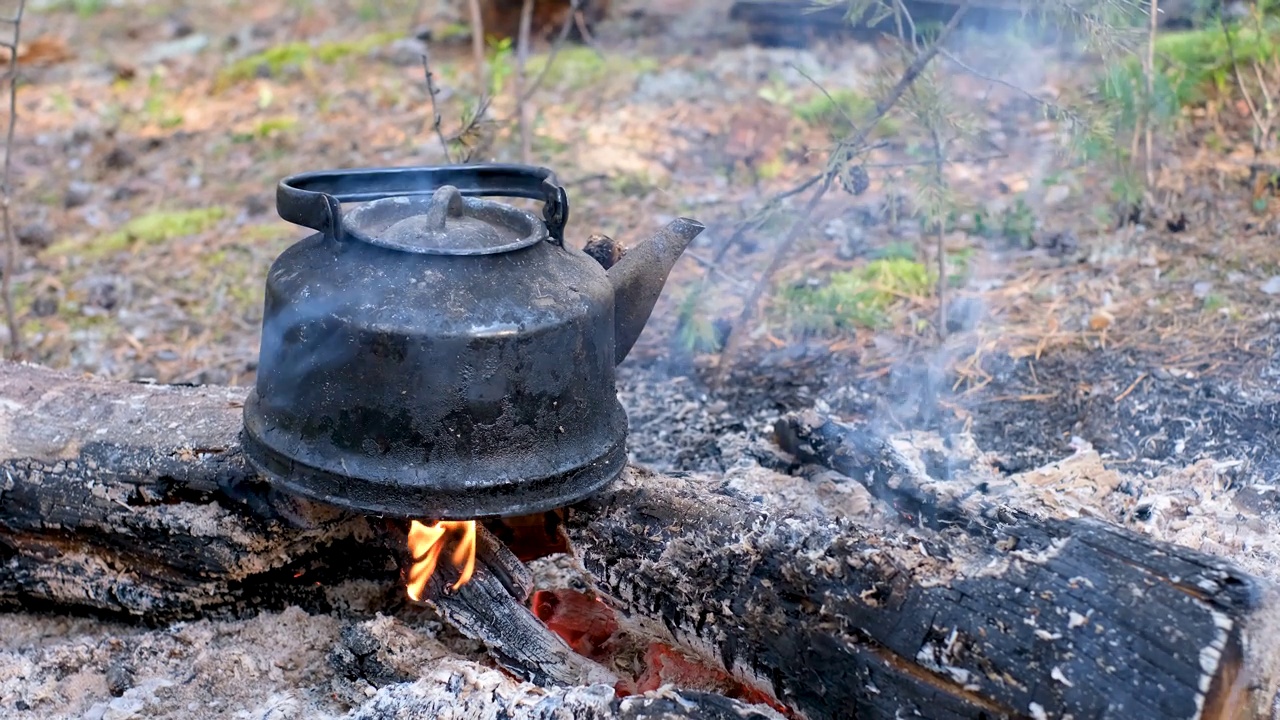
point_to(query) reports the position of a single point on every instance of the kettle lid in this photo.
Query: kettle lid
(445, 223)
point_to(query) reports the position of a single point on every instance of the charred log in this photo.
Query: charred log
(493, 609)
(1014, 617)
(134, 499)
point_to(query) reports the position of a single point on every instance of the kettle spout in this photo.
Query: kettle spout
(638, 279)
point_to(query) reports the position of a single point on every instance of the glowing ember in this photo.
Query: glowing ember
(426, 542)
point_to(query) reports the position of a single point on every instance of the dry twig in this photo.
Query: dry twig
(6, 187)
(477, 47)
(522, 59)
(432, 91)
(555, 49)
(1151, 87)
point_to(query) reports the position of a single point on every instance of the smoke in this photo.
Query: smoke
(1005, 169)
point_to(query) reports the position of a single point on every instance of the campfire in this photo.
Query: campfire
(377, 399)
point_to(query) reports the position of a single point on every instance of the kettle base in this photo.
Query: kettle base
(522, 497)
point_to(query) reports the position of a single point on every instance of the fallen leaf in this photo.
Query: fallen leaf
(44, 50)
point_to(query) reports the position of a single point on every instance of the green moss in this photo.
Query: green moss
(150, 229)
(546, 146)
(83, 8)
(1213, 303)
(771, 169)
(301, 56)
(267, 128)
(856, 298)
(631, 184)
(823, 110)
(578, 67)
(453, 31)
(1192, 67)
(834, 113)
(232, 278)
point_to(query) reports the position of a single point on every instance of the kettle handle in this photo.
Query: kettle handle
(314, 199)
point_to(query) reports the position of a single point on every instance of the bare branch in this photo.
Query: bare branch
(555, 49)
(6, 187)
(477, 47)
(522, 59)
(435, 109)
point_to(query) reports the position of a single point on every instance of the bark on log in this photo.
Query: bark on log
(127, 498)
(131, 498)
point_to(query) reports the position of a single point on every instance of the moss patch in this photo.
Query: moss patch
(299, 56)
(834, 110)
(149, 229)
(1194, 66)
(578, 67)
(856, 298)
(266, 129)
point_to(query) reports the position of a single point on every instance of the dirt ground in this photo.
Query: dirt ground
(1121, 369)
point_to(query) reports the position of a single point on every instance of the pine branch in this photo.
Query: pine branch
(844, 150)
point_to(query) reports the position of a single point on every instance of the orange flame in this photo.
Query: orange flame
(426, 542)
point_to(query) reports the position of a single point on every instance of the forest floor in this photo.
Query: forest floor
(151, 137)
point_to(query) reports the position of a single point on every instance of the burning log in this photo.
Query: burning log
(490, 606)
(135, 499)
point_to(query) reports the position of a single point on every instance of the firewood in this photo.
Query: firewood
(134, 499)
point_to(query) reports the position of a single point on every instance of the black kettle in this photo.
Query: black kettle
(430, 354)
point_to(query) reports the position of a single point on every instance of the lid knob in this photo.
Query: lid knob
(446, 202)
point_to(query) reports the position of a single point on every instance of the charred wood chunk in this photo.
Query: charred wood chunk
(870, 460)
(491, 609)
(1017, 618)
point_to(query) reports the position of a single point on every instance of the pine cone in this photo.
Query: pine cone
(854, 179)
